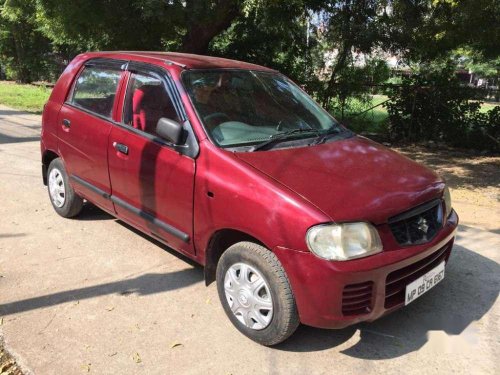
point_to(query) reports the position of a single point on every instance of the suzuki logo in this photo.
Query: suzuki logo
(422, 225)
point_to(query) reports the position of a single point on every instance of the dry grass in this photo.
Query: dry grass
(8, 365)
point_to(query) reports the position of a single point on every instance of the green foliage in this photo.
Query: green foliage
(361, 117)
(274, 36)
(315, 42)
(354, 86)
(477, 63)
(433, 105)
(426, 30)
(187, 25)
(110, 24)
(24, 51)
(351, 26)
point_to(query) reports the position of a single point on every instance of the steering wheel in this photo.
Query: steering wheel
(210, 119)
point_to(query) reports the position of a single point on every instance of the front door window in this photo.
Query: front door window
(146, 102)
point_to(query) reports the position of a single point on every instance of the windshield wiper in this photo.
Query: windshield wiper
(281, 137)
(323, 137)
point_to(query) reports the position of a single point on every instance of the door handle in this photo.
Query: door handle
(120, 147)
(66, 123)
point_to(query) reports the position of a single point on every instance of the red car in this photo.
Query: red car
(297, 218)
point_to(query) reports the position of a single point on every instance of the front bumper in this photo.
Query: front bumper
(320, 286)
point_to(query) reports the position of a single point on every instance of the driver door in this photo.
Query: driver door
(152, 183)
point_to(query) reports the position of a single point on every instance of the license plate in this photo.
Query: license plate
(424, 283)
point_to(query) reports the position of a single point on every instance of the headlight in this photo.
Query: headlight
(343, 241)
(447, 202)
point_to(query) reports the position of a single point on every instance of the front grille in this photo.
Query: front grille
(396, 282)
(357, 298)
(418, 225)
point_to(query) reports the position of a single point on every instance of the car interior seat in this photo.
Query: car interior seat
(149, 104)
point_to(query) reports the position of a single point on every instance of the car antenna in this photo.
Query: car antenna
(170, 62)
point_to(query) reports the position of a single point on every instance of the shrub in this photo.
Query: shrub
(434, 105)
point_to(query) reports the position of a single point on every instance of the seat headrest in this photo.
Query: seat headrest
(150, 97)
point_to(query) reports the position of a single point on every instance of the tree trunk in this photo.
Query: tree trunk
(344, 49)
(339, 66)
(205, 24)
(23, 74)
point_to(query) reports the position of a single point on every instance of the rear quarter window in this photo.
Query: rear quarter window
(95, 90)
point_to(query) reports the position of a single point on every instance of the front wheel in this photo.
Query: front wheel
(256, 294)
(62, 196)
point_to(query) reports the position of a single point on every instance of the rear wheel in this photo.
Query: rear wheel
(62, 196)
(256, 294)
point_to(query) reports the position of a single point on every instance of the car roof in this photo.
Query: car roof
(184, 60)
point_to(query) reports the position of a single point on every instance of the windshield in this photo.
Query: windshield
(244, 108)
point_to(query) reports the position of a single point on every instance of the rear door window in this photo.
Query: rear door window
(95, 90)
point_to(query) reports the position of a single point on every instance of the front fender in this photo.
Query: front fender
(231, 194)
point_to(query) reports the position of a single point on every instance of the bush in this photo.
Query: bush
(434, 105)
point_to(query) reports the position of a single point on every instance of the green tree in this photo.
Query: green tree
(273, 34)
(424, 30)
(187, 25)
(23, 49)
(350, 28)
(419, 31)
(110, 24)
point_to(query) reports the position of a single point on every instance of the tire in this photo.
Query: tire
(238, 292)
(62, 196)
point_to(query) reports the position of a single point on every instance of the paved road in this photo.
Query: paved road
(92, 295)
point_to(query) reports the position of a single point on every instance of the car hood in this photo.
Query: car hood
(354, 179)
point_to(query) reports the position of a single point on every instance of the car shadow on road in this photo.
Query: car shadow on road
(147, 284)
(469, 290)
(467, 293)
(93, 213)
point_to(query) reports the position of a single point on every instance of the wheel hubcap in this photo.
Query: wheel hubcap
(56, 187)
(248, 296)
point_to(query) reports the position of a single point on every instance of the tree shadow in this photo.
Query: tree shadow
(13, 119)
(17, 112)
(461, 169)
(4, 139)
(11, 235)
(467, 293)
(151, 283)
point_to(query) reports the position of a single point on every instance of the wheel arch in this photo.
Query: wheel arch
(47, 158)
(219, 242)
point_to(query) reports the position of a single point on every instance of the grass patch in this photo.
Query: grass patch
(29, 98)
(485, 107)
(372, 121)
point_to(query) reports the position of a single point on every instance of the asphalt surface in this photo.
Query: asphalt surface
(91, 295)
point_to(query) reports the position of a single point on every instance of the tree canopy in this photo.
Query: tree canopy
(290, 35)
(337, 49)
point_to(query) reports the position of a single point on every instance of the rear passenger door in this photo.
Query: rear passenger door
(152, 180)
(85, 122)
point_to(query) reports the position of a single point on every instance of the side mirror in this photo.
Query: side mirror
(170, 130)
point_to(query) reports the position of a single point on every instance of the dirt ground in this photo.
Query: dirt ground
(90, 295)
